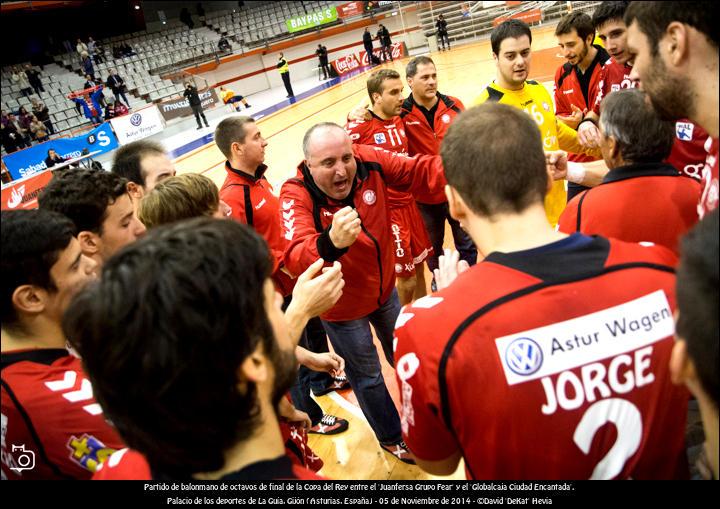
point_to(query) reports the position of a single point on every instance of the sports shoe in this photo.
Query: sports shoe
(338, 383)
(400, 451)
(329, 425)
(247, 106)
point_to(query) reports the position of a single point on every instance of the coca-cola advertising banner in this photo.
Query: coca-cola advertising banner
(397, 50)
(349, 9)
(346, 64)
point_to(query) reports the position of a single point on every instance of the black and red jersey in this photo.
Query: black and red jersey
(368, 265)
(388, 134)
(613, 77)
(424, 138)
(253, 203)
(52, 427)
(651, 202)
(549, 363)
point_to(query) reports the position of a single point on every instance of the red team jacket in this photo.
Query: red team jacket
(650, 202)
(370, 132)
(253, 203)
(423, 139)
(52, 426)
(368, 264)
(688, 152)
(569, 91)
(550, 363)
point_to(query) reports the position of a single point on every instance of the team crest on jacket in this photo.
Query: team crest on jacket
(369, 197)
(446, 118)
(380, 138)
(546, 106)
(684, 130)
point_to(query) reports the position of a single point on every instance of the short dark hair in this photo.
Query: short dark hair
(697, 300)
(83, 196)
(642, 136)
(32, 241)
(495, 170)
(411, 69)
(653, 19)
(376, 80)
(578, 21)
(510, 29)
(609, 11)
(229, 131)
(174, 316)
(128, 159)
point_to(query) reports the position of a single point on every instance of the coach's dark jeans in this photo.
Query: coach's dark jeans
(434, 217)
(353, 341)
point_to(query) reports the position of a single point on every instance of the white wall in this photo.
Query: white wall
(306, 68)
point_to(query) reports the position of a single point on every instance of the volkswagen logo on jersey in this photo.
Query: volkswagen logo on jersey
(684, 131)
(524, 356)
(380, 138)
(369, 197)
(446, 118)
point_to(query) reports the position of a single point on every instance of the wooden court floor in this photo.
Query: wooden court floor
(462, 72)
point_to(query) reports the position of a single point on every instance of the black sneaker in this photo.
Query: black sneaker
(337, 384)
(329, 425)
(400, 451)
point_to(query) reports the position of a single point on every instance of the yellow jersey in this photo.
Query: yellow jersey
(535, 100)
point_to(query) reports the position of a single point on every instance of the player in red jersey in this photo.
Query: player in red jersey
(386, 129)
(576, 81)
(203, 372)
(641, 198)
(566, 339)
(675, 49)
(52, 427)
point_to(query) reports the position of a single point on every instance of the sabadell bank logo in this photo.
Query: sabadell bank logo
(524, 356)
(136, 119)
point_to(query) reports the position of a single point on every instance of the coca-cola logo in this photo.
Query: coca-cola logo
(346, 64)
(395, 50)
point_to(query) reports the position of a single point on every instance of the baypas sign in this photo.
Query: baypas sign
(311, 20)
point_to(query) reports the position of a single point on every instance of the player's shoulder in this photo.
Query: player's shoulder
(488, 93)
(645, 253)
(125, 464)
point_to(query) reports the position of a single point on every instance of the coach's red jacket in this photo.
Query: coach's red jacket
(368, 265)
(426, 139)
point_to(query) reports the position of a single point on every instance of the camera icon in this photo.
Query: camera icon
(24, 459)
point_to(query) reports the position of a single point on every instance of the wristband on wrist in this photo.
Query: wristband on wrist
(575, 172)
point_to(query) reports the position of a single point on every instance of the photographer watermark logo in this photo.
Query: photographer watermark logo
(21, 458)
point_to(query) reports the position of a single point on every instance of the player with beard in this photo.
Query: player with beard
(191, 382)
(688, 152)
(386, 129)
(511, 42)
(576, 81)
(675, 50)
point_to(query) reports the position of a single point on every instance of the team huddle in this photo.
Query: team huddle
(156, 326)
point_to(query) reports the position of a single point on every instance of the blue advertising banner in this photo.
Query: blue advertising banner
(32, 160)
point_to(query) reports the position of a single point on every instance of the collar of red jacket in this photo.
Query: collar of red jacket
(259, 172)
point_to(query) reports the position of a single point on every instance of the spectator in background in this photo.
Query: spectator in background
(223, 44)
(24, 117)
(368, 44)
(89, 101)
(38, 129)
(383, 36)
(91, 47)
(120, 108)
(117, 85)
(34, 79)
(41, 112)
(186, 18)
(10, 139)
(229, 97)
(15, 125)
(90, 83)
(322, 54)
(284, 69)
(110, 110)
(53, 158)
(81, 49)
(191, 93)
(442, 32)
(20, 78)
(200, 12)
(116, 52)
(87, 66)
